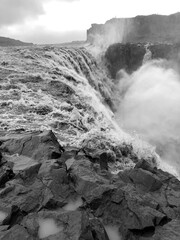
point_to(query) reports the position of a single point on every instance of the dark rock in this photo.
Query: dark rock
(16, 233)
(170, 231)
(103, 160)
(37, 145)
(72, 225)
(124, 56)
(146, 180)
(143, 164)
(88, 183)
(60, 89)
(6, 174)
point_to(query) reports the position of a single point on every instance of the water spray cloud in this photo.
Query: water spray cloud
(150, 105)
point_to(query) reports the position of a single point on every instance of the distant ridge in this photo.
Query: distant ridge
(8, 42)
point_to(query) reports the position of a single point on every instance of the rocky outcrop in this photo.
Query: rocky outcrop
(39, 145)
(130, 56)
(9, 42)
(124, 56)
(141, 201)
(152, 28)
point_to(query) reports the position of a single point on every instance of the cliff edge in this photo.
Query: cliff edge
(153, 28)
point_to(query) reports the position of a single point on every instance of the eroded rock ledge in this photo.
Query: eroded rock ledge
(39, 178)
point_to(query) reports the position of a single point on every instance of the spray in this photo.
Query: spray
(150, 105)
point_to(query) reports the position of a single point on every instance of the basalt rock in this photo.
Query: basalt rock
(143, 202)
(124, 56)
(37, 145)
(168, 231)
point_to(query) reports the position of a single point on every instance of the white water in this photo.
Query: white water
(73, 205)
(3, 215)
(113, 232)
(151, 107)
(48, 227)
(148, 54)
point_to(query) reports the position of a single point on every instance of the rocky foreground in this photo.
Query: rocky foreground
(73, 189)
(66, 170)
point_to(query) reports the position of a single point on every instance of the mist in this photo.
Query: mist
(150, 107)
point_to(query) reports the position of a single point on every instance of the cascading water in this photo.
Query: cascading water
(62, 89)
(148, 54)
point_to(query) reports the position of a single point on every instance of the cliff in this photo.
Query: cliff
(153, 28)
(130, 56)
(7, 42)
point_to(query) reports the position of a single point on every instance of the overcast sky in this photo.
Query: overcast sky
(55, 21)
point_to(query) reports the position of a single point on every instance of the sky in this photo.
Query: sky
(57, 21)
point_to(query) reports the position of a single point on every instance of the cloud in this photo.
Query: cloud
(16, 11)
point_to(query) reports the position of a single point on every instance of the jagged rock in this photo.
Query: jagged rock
(17, 232)
(168, 231)
(69, 225)
(87, 182)
(130, 56)
(55, 177)
(6, 174)
(61, 89)
(144, 179)
(23, 165)
(124, 56)
(37, 145)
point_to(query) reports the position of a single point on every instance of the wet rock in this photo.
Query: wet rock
(60, 89)
(168, 231)
(6, 174)
(105, 158)
(55, 177)
(143, 164)
(67, 225)
(23, 165)
(37, 145)
(146, 180)
(16, 233)
(124, 56)
(87, 182)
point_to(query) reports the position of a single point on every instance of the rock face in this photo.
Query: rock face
(9, 42)
(124, 56)
(130, 56)
(152, 28)
(142, 202)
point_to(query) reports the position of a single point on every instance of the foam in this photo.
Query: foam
(73, 205)
(3, 215)
(113, 232)
(48, 227)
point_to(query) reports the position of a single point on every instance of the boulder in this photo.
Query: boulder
(145, 179)
(36, 145)
(17, 232)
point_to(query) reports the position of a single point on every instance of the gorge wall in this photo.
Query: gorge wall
(153, 28)
(130, 56)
